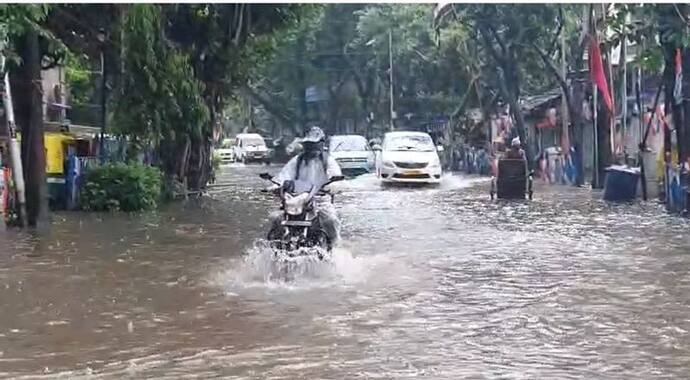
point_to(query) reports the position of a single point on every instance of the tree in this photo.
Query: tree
(160, 102)
(507, 34)
(25, 36)
(218, 39)
(343, 50)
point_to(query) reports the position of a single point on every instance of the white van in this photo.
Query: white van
(250, 147)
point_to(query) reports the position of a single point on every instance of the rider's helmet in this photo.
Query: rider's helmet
(313, 141)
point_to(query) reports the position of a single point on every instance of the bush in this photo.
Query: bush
(123, 187)
(216, 161)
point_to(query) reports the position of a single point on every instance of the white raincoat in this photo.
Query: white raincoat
(312, 171)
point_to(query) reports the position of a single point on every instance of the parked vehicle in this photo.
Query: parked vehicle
(226, 151)
(271, 145)
(300, 229)
(408, 157)
(250, 147)
(513, 180)
(353, 154)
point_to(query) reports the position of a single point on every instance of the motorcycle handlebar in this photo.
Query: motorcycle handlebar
(268, 177)
(314, 191)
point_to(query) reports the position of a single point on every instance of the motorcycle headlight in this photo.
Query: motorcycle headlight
(294, 205)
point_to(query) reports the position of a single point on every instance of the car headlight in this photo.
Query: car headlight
(435, 163)
(388, 164)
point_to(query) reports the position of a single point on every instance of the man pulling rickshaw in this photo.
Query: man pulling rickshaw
(513, 178)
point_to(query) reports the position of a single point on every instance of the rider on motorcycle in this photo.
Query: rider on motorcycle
(315, 167)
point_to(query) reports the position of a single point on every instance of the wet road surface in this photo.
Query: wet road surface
(436, 283)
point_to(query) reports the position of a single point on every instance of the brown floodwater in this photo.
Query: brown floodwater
(436, 283)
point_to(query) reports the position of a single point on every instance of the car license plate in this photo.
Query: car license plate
(412, 172)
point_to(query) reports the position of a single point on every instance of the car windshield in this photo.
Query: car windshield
(418, 143)
(348, 144)
(227, 144)
(253, 141)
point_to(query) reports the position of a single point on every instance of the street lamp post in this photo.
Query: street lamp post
(377, 87)
(104, 93)
(390, 70)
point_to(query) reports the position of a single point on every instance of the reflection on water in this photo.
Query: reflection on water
(432, 281)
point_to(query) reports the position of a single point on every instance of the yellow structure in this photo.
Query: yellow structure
(55, 144)
(660, 167)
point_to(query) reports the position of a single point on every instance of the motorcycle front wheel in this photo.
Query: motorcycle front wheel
(321, 240)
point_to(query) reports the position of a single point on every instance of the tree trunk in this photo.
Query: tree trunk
(685, 141)
(199, 163)
(30, 117)
(577, 127)
(510, 88)
(302, 87)
(603, 143)
(669, 103)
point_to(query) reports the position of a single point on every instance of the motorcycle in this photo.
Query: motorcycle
(300, 232)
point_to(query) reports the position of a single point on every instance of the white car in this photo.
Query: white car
(409, 157)
(353, 154)
(250, 147)
(225, 152)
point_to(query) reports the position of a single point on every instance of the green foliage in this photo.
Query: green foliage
(343, 50)
(216, 161)
(432, 73)
(121, 187)
(651, 59)
(141, 105)
(161, 97)
(16, 19)
(79, 78)
(187, 113)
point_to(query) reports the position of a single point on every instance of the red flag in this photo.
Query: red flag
(596, 72)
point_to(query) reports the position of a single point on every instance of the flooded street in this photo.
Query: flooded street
(438, 283)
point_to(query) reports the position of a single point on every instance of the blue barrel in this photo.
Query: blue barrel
(621, 183)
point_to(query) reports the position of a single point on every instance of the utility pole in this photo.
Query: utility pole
(624, 85)
(101, 38)
(564, 103)
(390, 71)
(15, 151)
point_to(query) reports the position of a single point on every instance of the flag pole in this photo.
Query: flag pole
(565, 140)
(624, 89)
(596, 134)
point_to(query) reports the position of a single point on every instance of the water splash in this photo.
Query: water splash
(232, 165)
(370, 182)
(450, 181)
(262, 267)
(364, 182)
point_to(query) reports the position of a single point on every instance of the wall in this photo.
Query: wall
(50, 79)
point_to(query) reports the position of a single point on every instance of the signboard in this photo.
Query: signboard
(314, 94)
